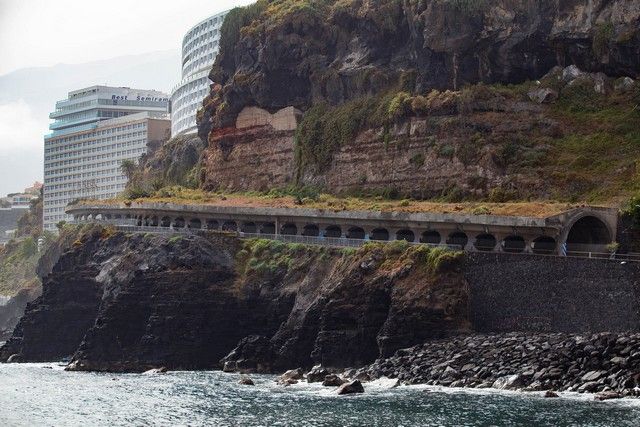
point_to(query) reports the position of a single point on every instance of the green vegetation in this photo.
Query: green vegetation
(271, 257)
(632, 210)
(602, 38)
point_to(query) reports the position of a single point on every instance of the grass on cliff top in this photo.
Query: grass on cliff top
(284, 199)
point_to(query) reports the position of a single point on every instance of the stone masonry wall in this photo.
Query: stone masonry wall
(533, 293)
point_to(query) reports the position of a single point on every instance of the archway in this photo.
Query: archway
(406, 235)
(458, 238)
(544, 245)
(431, 237)
(311, 230)
(289, 229)
(485, 242)
(195, 223)
(212, 224)
(230, 226)
(588, 232)
(333, 231)
(249, 227)
(154, 221)
(178, 222)
(380, 234)
(356, 233)
(268, 228)
(514, 244)
(165, 222)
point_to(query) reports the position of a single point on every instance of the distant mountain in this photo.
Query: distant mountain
(41, 87)
(22, 127)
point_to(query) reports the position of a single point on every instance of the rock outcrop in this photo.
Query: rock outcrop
(132, 303)
(364, 74)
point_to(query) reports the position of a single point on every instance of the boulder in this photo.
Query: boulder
(244, 380)
(317, 374)
(291, 377)
(333, 380)
(571, 73)
(624, 84)
(14, 358)
(607, 395)
(550, 394)
(543, 95)
(352, 387)
(510, 382)
(161, 370)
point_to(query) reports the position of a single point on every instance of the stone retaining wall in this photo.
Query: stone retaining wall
(552, 294)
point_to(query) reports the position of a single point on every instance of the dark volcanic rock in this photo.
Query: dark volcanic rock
(521, 361)
(352, 387)
(336, 51)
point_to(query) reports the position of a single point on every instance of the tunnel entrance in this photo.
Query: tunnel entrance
(380, 234)
(212, 224)
(178, 223)
(485, 242)
(249, 227)
(311, 230)
(514, 244)
(544, 245)
(355, 233)
(230, 226)
(406, 235)
(268, 228)
(333, 231)
(588, 232)
(431, 237)
(289, 229)
(165, 222)
(195, 223)
(458, 239)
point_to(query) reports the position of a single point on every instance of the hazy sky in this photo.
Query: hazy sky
(48, 32)
(42, 33)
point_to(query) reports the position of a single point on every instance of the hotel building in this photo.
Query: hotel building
(94, 130)
(199, 50)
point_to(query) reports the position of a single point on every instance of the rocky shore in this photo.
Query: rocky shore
(607, 364)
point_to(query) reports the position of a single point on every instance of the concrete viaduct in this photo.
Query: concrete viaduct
(586, 229)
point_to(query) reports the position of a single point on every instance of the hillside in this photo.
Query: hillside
(442, 99)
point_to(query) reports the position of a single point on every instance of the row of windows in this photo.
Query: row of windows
(135, 151)
(59, 197)
(78, 152)
(83, 184)
(186, 100)
(90, 135)
(200, 63)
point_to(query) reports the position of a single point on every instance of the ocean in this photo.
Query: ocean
(46, 395)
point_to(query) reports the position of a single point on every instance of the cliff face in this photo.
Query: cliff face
(128, 303)
(364, 72)
(298, 53)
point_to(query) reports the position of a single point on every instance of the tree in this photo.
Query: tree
(128, 167)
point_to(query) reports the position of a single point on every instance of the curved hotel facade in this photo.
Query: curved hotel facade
(199, 49)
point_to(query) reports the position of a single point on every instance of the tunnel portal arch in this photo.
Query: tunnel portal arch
(485, 242)
(589, 230)
(458, 238)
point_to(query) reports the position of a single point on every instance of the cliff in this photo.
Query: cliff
(128, 303)
(416, 98)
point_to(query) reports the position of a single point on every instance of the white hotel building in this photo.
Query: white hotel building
(94, 130)
(199, 50)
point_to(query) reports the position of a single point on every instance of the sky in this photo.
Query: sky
(45, 33)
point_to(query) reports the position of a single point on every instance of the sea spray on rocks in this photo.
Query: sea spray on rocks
(595, 363)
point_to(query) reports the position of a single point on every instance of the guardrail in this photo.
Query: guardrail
(345, 242)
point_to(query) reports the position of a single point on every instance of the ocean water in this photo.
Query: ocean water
(45, 395)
